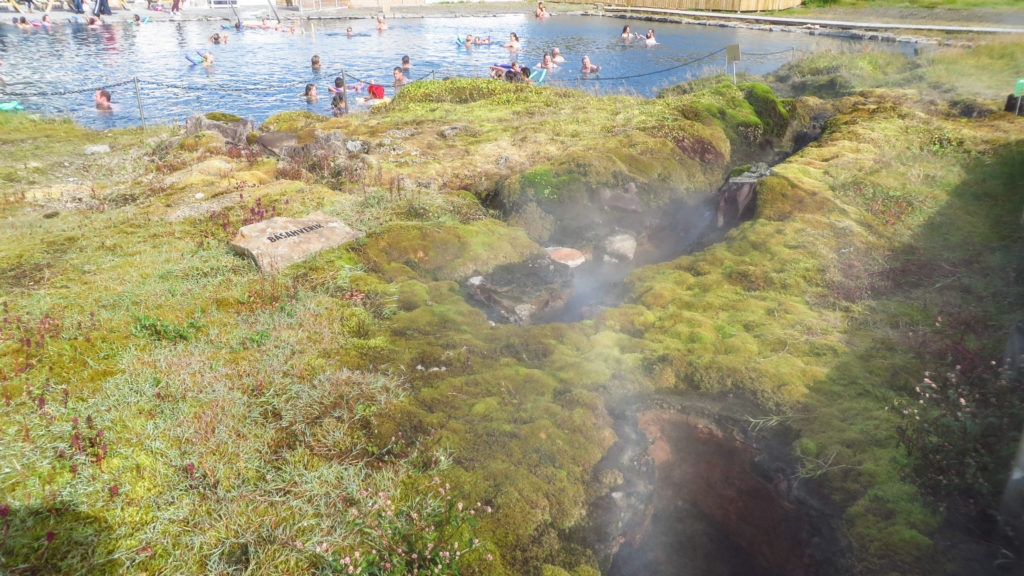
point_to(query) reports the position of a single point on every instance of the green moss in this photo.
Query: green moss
(768, 108)
(292, 121)
(448, 252)
(469, 90)
(223, 117)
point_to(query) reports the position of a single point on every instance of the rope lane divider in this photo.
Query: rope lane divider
(63, 92)
(676, 67)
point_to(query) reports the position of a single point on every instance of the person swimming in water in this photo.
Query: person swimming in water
(338, 105)
(498, 70)
(513, 42)
(314, 63)
(547, 63)
(400, 78)
(556, 55)
(627, 34)
(406, 64)
(381, 24)
(207, 59)
(310, 94)
(218, 38)
(588, 67)
(541, 11)
(649, 39)
(348, 31)
(102, 99)
(24, 24)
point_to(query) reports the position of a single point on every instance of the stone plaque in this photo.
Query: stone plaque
(279, 242)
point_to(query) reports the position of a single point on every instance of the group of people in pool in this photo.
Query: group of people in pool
(339, 105)
(93, 21)
(339, 100)
(648, 39)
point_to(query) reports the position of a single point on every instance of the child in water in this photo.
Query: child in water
(513, 41)
(314, 63)
(338, 106)
(310, 94)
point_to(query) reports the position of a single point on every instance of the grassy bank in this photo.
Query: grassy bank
(167, 408)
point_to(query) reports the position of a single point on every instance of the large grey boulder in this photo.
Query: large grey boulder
(277, 143)
(233, 132)
(279, 242)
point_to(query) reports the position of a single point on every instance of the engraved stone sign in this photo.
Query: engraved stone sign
(279, 242)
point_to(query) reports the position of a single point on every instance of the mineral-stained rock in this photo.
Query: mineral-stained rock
(276, 243)
(568, 256)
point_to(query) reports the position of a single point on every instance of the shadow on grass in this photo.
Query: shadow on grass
(56, 539)
(928, 347)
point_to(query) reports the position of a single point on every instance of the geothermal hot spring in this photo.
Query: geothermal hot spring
(692, 488)
(259, 73)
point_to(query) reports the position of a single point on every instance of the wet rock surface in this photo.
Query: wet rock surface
(523, 292)
(701, 495)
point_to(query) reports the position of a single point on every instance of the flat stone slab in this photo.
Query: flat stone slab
(279, 242)
(568, 256)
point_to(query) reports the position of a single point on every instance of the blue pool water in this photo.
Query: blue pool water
(260, 72)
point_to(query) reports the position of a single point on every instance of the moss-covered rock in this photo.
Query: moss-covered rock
(448, 252)
(223, 117)
(296, 121)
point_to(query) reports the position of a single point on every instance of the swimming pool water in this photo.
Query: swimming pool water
(262, 72)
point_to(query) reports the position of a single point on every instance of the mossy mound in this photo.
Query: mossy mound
(446, 252)
(469, 90)
(765, 310)
(223, 117)
(292, 121)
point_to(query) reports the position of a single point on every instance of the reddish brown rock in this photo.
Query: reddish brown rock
(568, 256)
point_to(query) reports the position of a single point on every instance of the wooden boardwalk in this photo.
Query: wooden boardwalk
(713, 5)
(815, 22)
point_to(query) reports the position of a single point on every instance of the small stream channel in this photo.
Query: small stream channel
(702, 495)
(689, 489)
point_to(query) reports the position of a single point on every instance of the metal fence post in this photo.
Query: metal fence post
(344, 89)
(138, 98)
